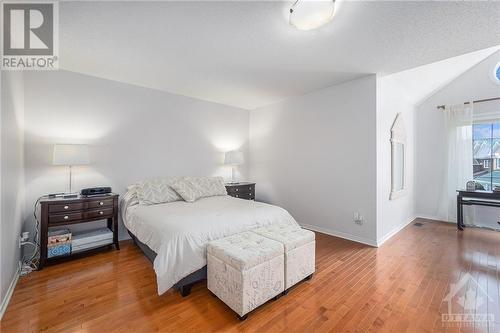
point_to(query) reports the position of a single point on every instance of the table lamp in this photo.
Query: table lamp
(233, 158)
(70, 155)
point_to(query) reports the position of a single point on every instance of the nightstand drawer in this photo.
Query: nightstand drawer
(244, 190)
(100, 203)
(66, 207)
(60, 211)
(103, 213)
(241, 189)
(247, 196)
(61, 218)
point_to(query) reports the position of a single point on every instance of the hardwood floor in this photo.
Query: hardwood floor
(399, 287)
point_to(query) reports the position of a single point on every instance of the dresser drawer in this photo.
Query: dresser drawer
(61, 218)
(66, 207)
(100, 203)
(103, 213)
(247, 196)
(240, 189)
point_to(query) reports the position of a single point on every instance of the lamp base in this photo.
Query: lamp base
(233, 178)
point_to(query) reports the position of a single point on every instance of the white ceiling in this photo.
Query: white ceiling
(422, 82)
(245, 54)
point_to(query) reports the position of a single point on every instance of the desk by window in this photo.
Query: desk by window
(477, 198)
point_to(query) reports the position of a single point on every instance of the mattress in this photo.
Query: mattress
(179, 231)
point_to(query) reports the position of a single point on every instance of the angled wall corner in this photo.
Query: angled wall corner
(12, 169)
(474, 84)
(395, 124)
(315, 156)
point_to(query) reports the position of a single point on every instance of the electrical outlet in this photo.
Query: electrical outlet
(25, 236)
(358, 218)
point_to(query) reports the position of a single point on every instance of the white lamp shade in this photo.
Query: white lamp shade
(234, 157)
(311, 14)
(71, 155)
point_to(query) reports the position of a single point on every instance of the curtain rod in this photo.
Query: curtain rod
(478, 101)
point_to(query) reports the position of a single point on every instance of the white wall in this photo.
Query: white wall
(392, 215)
(134, 133)
(12, 178)
(474, 84)
(315, 155)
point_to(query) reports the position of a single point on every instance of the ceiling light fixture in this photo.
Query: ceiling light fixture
(311, 14)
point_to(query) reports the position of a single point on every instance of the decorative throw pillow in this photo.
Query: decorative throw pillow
(194, 188)
(155, 191)
(131, 195)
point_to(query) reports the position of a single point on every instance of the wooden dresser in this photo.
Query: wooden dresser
(243, 190)
(60, 212)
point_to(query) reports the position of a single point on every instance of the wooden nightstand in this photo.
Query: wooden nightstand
(58, 212)
(243, 190)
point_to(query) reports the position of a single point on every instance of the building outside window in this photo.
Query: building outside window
(486, 150)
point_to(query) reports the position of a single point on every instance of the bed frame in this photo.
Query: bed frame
(184, 285)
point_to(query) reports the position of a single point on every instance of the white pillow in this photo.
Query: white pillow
(130, 197)
(155, 191)
(194, 188)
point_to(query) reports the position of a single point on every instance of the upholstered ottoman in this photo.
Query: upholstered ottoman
(299, 245)
(245, 270)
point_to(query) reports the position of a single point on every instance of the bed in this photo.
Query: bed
(174, 235)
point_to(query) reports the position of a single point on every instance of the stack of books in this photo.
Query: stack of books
(87, 240)
(59, 242)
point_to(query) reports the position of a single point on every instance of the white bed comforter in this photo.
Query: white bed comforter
(179, 231)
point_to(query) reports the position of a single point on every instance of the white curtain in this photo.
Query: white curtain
(459, 170)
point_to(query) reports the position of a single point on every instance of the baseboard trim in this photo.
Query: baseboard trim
(394, 231)
(340, 234)
(434, 218)
(10, 291)
(367, 241)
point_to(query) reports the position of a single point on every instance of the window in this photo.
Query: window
(496, 74)
(486, 154)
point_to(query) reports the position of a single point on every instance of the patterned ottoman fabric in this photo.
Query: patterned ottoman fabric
(299, 245)
(245, 270)
(244, 250)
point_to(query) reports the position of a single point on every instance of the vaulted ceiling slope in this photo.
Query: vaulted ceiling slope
(421, 82)
(245, 54)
